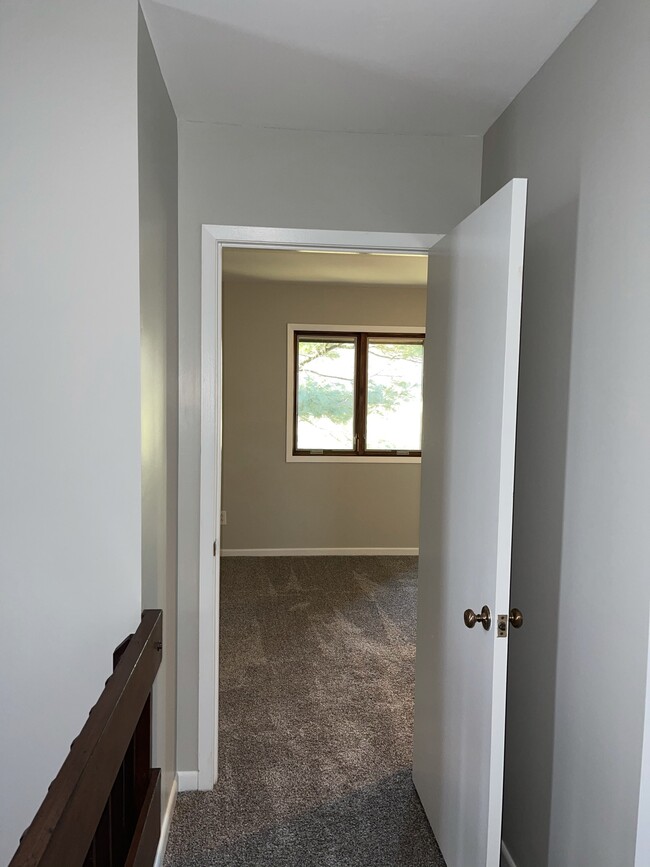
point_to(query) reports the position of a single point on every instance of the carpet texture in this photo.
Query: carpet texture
(316, 707)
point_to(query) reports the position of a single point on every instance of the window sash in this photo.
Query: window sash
(362, 340)
(324, 337)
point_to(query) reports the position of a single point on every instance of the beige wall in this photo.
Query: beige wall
(274, 504)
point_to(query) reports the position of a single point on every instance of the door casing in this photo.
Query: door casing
(213, 240)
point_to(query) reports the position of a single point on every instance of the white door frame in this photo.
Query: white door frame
(214, 238)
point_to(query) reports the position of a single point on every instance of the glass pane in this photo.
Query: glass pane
(326, 393)
(394, 396)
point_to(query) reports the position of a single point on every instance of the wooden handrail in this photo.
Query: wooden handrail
(107, 777)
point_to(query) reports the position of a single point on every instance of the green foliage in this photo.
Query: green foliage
(317, 399)
(312, 351)
(384, 398)
(399, 351)
(322, 395)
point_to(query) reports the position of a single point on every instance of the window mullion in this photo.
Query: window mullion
(296, 355)
(361, 389)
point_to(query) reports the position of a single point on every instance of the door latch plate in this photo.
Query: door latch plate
(502, 626)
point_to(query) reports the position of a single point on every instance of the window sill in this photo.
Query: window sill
(353, 459)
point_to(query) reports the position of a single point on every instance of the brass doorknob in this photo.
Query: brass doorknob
(472, 619)
(516, 618)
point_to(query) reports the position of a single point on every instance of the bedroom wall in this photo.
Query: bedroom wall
(352, 505)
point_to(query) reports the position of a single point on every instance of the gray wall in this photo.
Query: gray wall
(158, 168)
(237, 175)
(580, 132)
(262, 493)
(69, 378)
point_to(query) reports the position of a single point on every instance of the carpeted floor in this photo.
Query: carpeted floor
(316, 704)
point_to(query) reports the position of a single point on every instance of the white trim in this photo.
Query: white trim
(166, 824)
(188, 781)
(320, 552)
(292, 327)
(214, 238)
(506, 857)
(353, 459)
(297, 239)
(209, 506)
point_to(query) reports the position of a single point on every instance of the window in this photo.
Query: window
(355, 394)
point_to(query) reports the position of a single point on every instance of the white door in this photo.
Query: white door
(470, 394)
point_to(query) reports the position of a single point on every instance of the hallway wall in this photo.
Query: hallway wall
(580, 132)
(69, 378)
(158, 180)
(233, 175)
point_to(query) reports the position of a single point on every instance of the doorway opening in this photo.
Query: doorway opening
(319, 516)
(215, 240)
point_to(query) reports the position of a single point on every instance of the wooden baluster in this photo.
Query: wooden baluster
(142, 744)
(90, 860)
(103, 848)
(120, 835)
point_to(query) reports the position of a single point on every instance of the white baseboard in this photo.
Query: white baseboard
(188, 781)
(166, 822)
(319, 552)
(506, 858)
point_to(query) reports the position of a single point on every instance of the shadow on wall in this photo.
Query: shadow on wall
(540, 468)
(367, 99)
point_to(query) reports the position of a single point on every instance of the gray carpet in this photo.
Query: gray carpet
(316, 704)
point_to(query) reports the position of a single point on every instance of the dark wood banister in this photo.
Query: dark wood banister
(103, 807)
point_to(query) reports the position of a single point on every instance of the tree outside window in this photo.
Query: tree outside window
(358, 394)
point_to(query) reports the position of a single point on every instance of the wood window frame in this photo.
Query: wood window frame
(363, 335)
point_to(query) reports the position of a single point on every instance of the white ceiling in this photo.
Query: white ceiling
(300, 266)
(404, 66)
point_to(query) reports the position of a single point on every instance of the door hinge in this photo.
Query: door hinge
(214, 548)
(502, 626)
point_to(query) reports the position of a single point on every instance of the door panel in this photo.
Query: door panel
(470, 398)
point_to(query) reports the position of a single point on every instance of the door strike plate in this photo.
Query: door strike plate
(502, 626)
